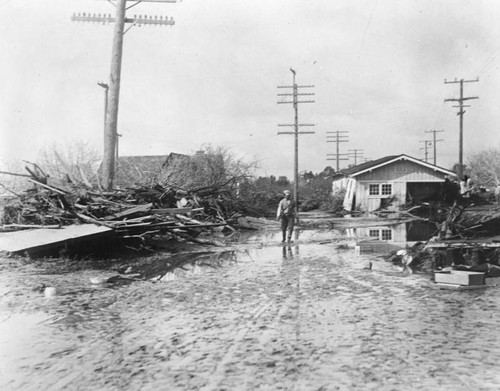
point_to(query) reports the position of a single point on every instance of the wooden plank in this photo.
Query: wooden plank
(458, 287)
(47, 187)
(130, 211)
(169, 211)
(42, 239)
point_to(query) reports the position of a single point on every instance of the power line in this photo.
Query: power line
(337, 137)
(295, 102)
(120, 19)
(461, 113)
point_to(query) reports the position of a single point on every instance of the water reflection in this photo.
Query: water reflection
(287, 251)
(174, 266)
(401, 233)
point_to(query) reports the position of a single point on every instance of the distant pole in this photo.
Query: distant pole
(337, 137)
(434, 141)
(461, 113)
(426, 144)
(296, 134)
(355, 153)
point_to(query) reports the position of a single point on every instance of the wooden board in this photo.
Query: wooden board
(458, 287)
(41, 239)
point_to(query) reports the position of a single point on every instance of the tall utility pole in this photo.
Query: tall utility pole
(426, 144)
(110, 129)
(337, 137)
(295, 101)
(434, 140)
(355, 153)
(461, 113)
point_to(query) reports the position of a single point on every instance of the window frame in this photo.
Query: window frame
(384, 190)
(373, 186)
(383, 234)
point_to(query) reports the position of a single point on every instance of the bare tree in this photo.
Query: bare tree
(77, 162)
(485, 167)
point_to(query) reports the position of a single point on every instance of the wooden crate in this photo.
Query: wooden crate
(459, 277)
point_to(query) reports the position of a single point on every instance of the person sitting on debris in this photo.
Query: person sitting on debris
(466, 187)
(286, 214)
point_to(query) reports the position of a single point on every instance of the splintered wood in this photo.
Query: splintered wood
(133, 214)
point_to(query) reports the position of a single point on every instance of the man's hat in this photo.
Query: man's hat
(286, 192)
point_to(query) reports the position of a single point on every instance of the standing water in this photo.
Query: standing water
(263, 316)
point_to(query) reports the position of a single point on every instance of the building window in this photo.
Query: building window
(373, 233)
(386, 234)
(374, 190)
(386, 189)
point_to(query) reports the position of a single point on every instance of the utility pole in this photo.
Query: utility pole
(110, 130)
(295, 101)
(461, 113)
(355, 153)
(426, 144)
(434, 140)
(337, 137)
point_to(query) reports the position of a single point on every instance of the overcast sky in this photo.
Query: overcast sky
(378, 67)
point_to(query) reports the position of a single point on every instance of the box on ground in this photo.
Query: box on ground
(459, 277)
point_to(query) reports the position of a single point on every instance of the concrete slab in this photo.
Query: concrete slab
(42, 239)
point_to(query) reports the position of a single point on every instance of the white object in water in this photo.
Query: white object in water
(98, 280)
(50, 291)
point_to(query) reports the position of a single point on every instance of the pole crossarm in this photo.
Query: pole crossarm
(461, 81)
(296, 132)
(311, 86)
(461, 99)
(297, 125)
(137, 20)
(309, 93)
(298, 101)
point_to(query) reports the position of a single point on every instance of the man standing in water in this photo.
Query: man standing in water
(286, 214)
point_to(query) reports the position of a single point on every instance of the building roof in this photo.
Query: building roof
(375, 164)
(138, 170)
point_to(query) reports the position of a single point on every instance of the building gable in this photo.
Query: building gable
(403, 170)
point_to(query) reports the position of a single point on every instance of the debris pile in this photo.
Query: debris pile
(136, 214)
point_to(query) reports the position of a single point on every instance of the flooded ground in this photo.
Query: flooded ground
(261, 316)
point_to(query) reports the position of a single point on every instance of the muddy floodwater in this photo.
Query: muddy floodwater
(259, 316)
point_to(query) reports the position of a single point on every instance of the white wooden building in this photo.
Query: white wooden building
(393, 180)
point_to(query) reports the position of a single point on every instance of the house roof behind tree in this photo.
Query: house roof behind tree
(138, 170)
(384, 161)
